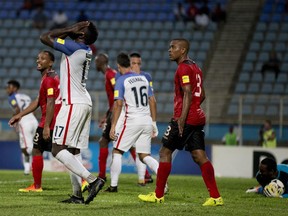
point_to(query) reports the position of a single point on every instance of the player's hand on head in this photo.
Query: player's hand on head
(77, 28)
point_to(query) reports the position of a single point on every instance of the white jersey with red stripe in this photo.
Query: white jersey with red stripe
(22, 101)
(134, 90)
(74, 67)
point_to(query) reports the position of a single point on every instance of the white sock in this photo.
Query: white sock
(26, 163)
(76, 180)
(141, 168)
(115, 169)
(151, 163)
(74, 165)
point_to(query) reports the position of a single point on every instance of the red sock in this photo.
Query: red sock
(147, 174)
(209, 179)
(133, 153)
(37, 168)
(162, 177)
(102, 162)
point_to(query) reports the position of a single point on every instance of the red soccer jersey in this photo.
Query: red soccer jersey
(49, 88)
(109, 86)
(188, 73)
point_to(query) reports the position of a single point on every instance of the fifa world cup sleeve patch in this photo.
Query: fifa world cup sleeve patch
(185, 79)
(60, 41)
(116, 93)
(151, 84)
(13, 102)
(50, 91)
(112, 81)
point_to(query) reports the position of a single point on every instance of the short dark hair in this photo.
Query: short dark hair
(14, 83)
(135, 55)
(123, 60)
(270, 164)
(185, 41)
(50, 54)
(91, 34)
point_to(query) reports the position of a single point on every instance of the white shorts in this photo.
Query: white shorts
(72, 126)
(129, 135)
(27, 129)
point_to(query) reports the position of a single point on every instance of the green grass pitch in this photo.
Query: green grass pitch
(186, 195)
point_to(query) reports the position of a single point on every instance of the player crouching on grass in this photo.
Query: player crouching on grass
(268, 171)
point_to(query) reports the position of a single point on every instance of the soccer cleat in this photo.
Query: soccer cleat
(141, 183)
(151, 197)
(74, 199)
(30, 189)
(148, 179)
(111, 189)
(84, 186)
(213, 202)
(94, 188)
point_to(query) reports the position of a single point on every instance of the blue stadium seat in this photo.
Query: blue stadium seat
(265, 18)
(273, 27)
(279, 88)
(282, 78)
(270, 36)
(240, 88)
(272, 110)
(276, 18)
(261, 27)
(258, 37)
(259, 110)
(244, 77)
(280, 47)
(256, 77)
(266, 88)
(249, 99)
(269, 77)
(247, 110)
(267, 46)
(248, 66)
(262, 99)
(233, 109)
(251, 56)
(255, 46)
(253, 88)
(263, 56)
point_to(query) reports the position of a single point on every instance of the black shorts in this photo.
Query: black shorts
(107, 127)
(192, 137)
(40, 143)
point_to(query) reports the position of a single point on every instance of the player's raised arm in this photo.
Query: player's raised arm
(31, 108)
(73, 31)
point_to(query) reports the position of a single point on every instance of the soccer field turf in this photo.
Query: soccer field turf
(186, 195)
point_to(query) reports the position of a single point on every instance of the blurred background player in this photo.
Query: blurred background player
(269, 170)
(186, 128)
(230, 138)
(26, 126)
(135, 127)
(72, 127)
(49, 101)
(269, 136)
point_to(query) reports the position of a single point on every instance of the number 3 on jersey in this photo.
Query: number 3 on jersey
(198, 86)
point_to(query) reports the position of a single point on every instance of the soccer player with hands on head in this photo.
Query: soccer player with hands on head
(72, 127)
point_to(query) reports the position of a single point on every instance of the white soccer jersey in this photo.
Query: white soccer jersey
(74, 67)
(22, 101)
(135, 91)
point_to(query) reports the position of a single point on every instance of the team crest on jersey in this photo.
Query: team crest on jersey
(61, 41)
(50, 91)
(116, 93)
(185, 79)
(13, 102)
(112, 81)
